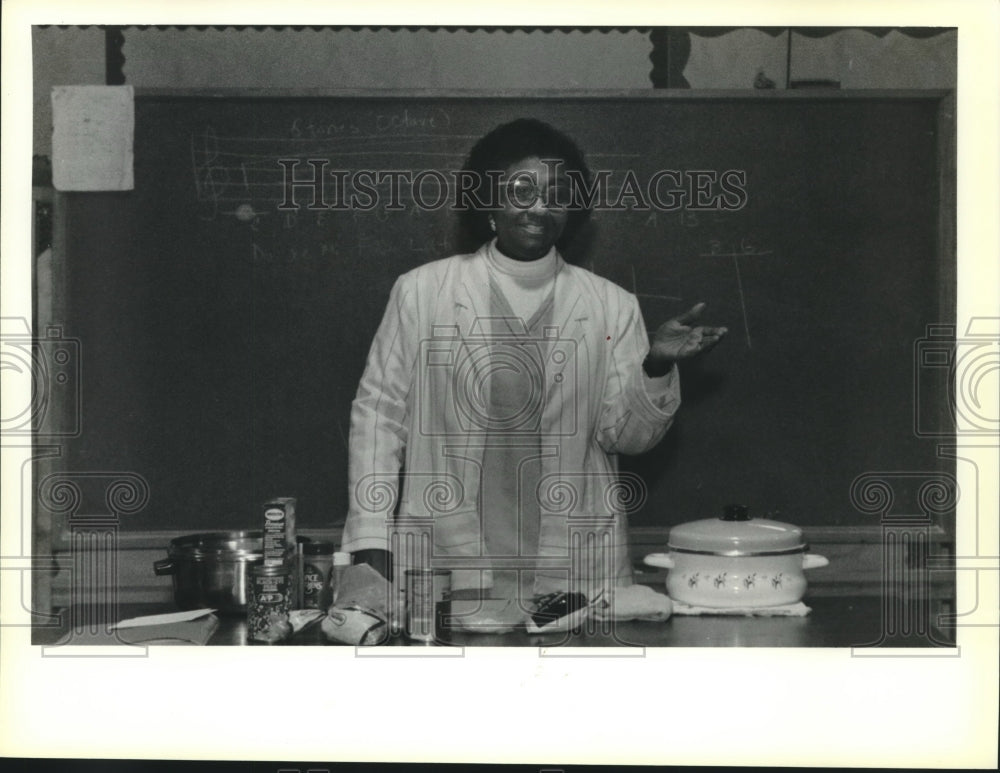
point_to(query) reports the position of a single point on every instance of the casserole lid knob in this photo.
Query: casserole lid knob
(736, 513)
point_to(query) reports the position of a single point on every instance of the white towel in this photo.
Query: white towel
(798, 609)
(634, 602)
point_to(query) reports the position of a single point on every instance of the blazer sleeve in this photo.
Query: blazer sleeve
(636, 411)
(379, 422)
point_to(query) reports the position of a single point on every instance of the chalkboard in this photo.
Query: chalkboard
(222, 337)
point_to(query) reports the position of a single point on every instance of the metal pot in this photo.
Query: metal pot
(213, 569)
(736, 561)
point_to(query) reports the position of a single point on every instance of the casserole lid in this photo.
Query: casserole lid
(736, 534)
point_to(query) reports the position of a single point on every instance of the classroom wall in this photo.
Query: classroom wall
(481, 59)
(61, 57)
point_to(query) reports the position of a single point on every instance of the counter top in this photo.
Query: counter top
(849, 621)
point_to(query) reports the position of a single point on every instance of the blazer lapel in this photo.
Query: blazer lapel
(471, 294)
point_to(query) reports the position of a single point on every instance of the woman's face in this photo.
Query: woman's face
(531, 220)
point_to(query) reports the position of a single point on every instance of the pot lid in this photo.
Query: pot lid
(221, 543)
(736, 534)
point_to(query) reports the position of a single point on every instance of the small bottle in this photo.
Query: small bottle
(341, 561)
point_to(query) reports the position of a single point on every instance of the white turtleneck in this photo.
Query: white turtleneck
(524, 283)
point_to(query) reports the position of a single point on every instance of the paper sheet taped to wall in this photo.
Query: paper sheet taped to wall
(92, 138)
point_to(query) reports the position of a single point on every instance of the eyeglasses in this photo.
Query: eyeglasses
(523, 192)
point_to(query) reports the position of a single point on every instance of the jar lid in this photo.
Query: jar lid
(736, 533)
(341, 558)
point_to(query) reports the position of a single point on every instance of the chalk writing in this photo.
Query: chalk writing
(311, 129)
(746, 247)
(407, 119)
(660, 297)
(743, 302)
(209, 177)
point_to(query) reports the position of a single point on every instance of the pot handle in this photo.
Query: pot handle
(661, 560)
(164, 566)
(813, 561)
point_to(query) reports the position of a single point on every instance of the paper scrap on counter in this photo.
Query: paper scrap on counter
(165, 619)
(197, 631)
(92, 138)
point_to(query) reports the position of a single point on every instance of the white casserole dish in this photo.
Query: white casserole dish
(736, 561)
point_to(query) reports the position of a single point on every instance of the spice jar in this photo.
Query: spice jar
(269, 604)
(317, 569)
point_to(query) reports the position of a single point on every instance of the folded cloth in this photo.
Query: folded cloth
(301, 618)
(798, 609)
(362, 586)
(354, 626)
(634, 602)
(485, 616)
(360, 614)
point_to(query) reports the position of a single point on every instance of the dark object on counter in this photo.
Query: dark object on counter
(557, 605)
(379, 560)
(212, 569)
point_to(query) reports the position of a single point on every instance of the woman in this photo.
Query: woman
(500, 388)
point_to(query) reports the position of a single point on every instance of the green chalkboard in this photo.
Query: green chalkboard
(222, 337)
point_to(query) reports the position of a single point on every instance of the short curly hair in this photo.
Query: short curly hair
(512, 142)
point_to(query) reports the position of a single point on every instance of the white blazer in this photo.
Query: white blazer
(416, 442)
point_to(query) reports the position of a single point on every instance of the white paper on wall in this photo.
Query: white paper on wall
(92, 138)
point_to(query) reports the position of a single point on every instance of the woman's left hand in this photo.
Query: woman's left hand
(677, 339)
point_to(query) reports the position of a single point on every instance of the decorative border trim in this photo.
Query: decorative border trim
(670, 54)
